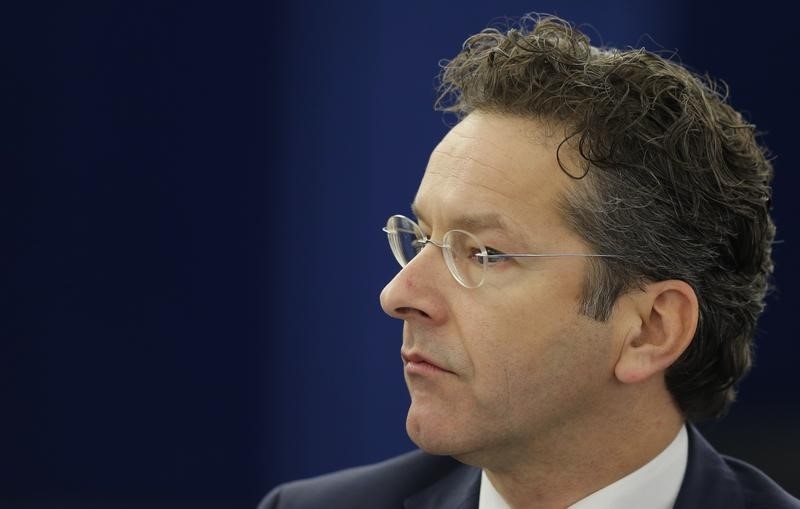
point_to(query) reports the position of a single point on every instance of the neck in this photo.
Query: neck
(548, 473)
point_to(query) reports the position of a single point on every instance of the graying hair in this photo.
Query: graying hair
(675, 182)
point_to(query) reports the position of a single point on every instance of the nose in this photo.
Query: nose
(415, 293)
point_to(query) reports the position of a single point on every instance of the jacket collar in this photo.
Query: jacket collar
(708, 481)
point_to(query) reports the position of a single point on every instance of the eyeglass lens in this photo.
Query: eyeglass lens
(458, 247)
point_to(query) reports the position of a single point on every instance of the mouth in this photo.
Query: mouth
(417, 364)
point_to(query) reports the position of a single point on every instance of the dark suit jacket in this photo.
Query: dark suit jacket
(419, 481)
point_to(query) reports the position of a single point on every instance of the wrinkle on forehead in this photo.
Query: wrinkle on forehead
(465, 149)
(523, 200)
(536, 132)
(505, 173)
(463, 177)
(497, 163)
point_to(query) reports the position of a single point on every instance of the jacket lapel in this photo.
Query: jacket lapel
(458, 490)
(708, 482)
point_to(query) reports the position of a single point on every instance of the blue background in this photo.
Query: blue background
(192, 197)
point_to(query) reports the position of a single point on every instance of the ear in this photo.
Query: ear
(666, 315)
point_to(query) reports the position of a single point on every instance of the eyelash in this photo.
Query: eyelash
(489, 251)
(492, 252)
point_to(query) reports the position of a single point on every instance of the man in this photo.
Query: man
(603, 219)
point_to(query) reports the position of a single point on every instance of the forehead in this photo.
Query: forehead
(495, 165)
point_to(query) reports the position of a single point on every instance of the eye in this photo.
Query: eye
(493, 256)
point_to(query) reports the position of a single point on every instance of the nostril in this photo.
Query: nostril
(403, 311)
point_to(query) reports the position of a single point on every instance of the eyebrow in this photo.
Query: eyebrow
(472, 222)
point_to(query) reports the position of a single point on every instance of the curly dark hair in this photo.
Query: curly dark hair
(679, 184)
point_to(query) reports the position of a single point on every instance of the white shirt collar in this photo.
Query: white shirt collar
(655, 485)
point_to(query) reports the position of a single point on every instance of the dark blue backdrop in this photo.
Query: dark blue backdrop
(192, 202)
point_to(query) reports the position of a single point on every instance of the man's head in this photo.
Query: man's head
(584, 150)
(679, 185)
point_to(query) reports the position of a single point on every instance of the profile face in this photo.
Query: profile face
(510, 363)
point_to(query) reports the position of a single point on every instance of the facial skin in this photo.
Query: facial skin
(522, 362)
(551, 403)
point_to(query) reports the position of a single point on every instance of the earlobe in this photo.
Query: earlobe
(668, 313)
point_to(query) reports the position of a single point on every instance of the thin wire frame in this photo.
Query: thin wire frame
(412, 227)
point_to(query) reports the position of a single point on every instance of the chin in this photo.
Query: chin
(443, 434)
(435, 447)
(435, 434)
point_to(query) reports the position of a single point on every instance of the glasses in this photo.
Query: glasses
(465, 256)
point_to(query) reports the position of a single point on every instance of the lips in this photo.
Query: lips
(415, 362)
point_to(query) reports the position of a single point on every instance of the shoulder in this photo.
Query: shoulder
(386, 484)
(758, 490)
(716, 481)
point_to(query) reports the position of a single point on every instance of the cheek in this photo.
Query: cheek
(502, 345)
(532, 353)
(507, 330)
